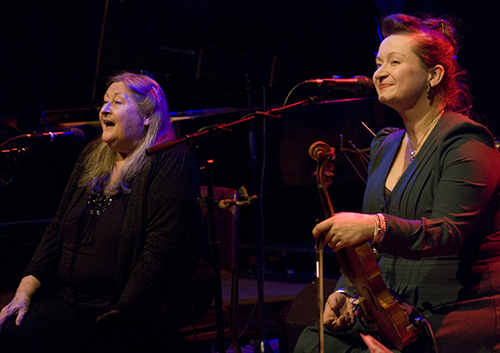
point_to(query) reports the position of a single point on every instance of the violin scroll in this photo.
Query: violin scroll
(320, 150)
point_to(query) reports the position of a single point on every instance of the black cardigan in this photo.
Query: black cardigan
(161, 233)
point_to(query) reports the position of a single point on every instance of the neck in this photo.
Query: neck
(120, 161)
(417, 120)
(121, 157)
(118, 166)
(421, 135)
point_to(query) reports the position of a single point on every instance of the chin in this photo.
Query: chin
(106, 136)
(386, 101)
(107, 141)
(383, 99)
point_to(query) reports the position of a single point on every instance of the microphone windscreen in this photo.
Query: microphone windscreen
(365, 85)
(79, 135)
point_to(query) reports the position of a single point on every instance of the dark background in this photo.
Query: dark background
(200, 51)
(56, 56)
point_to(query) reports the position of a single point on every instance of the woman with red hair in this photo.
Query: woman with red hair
(432, 202)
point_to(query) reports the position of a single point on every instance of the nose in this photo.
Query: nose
(105, 108)
(379, 74)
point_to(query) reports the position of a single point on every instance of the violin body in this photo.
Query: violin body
(377, 308)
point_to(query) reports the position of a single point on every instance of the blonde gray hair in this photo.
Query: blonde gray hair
(100, 160)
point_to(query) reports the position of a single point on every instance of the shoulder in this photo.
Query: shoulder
(177, 154)
(385, 138)
(176, 163)
(454, 127)
(388, 133)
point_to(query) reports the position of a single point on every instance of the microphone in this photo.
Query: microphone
(72, 135)
(357, 84)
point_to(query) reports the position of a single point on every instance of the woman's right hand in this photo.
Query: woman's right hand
(339, 312)
(345, 229)
(19, 305)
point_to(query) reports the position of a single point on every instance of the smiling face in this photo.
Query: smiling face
(121, 119)
(401, 78)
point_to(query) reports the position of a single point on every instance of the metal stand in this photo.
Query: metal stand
(263, 346)
(214, 249)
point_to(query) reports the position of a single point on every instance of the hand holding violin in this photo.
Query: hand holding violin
(345, 229)
(339, 312)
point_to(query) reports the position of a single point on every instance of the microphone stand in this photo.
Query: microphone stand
(209, 132)
(263, 346)
(219, 128)
(214, 248)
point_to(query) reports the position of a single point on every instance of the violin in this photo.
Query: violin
(376, 306)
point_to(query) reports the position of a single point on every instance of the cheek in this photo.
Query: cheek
(413, 77)
(132, 123)
(414, 87)
(134, 129)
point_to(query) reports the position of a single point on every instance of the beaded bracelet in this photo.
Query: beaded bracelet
(380, 227)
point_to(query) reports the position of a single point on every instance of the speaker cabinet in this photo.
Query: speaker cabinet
(300, 313)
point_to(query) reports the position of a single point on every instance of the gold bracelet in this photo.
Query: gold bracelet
(376, 226)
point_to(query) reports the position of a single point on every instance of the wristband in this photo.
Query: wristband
(344, 292)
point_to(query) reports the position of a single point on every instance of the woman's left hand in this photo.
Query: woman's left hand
(339, 312)
(345, 229)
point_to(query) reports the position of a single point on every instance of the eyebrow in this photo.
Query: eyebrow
(390, 54)
(115, 94)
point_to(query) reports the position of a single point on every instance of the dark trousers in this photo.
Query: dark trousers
(350, 341)
(54, 326)
(50, 325)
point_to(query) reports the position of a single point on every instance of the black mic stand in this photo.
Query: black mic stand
(212, 131)
(208, 169)
(263, 346)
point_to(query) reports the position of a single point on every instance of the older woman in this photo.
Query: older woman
(432, 202)
(113, 269)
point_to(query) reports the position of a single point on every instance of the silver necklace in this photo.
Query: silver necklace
(413, 150)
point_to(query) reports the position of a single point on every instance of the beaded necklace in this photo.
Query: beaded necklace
(413, 150)
(98, 203)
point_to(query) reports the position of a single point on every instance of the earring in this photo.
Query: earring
(430, 91)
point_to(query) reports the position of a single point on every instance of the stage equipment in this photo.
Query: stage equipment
(71, 135)
(376, 306)
(357, 84)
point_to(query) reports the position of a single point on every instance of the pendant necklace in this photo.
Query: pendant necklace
(413, 150)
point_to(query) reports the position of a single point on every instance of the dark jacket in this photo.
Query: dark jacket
(160, 235)
(442, 245)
